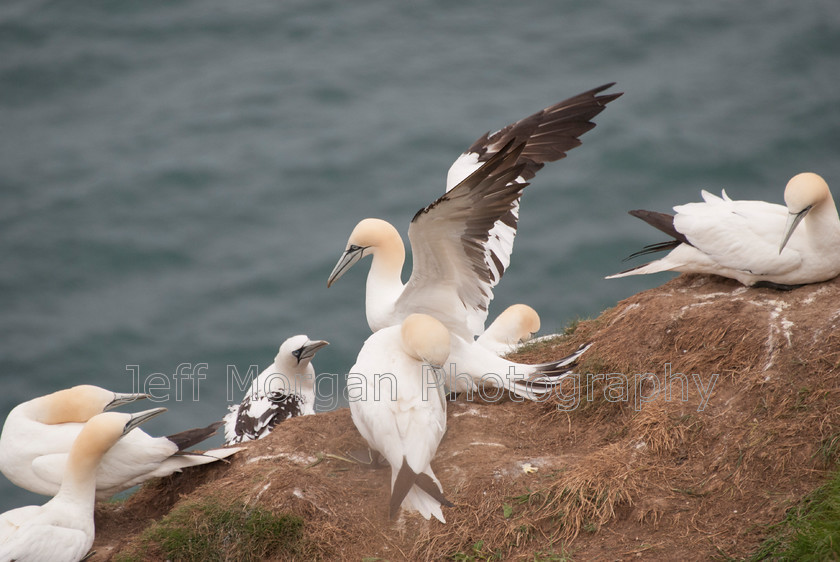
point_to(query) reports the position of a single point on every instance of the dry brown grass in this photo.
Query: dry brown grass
(590, 494)
(665, 481)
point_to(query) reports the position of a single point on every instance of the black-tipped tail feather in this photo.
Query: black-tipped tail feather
(425, 483)
(406, 479)
(662, 222)
(402, 485)
(557, 370)
(652, 249)
(548, 376)
(190, 437)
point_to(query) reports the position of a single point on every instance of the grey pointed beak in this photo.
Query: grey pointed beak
(793, 221)
(121, 398)
(348, 259)
(311, 348)
(142, 417)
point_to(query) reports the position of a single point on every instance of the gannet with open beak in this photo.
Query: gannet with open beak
(63, 528)
(757, 243)
(513, 327)
(37, 436)
(395, 391)
(285, 389)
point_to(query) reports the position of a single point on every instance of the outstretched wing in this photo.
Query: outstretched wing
(452, 279)
(547, 136)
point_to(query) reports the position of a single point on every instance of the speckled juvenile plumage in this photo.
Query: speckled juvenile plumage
(285, 389)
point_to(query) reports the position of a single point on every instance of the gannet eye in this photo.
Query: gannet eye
(297, 353)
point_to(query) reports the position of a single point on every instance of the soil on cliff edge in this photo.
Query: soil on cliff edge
(620, 466)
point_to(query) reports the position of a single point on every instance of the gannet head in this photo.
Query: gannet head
(103, 430)
(296, 353)
(369, 237)
(803, 192)
(521, 320)
(426, 339)
(80, 403)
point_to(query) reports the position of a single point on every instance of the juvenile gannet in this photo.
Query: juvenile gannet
(285, 389)
(37, 436)
(516, 325)
(63, 529)
(396, 401)
(754, 242)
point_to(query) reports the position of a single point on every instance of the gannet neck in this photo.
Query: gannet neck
(384, 281)
(426, 339)
(77, 404)
(824, 213)
(299, 380)
(305, 388)
(94, 440)
(823, 226)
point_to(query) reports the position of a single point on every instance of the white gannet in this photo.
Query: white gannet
(63, 529)
(461, 243)
(285, 389)
(37, 436)
(395, 391)
(757, 243)
(450, 277)
(516, 325)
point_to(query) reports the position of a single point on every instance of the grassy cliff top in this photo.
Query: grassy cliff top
(621, 465)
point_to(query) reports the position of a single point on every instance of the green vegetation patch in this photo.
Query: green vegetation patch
(211, 531)
(477, 553)
(810, 531)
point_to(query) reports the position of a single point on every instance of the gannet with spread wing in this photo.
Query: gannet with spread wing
(461, 243)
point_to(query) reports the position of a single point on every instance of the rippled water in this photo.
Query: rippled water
(177, 179)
